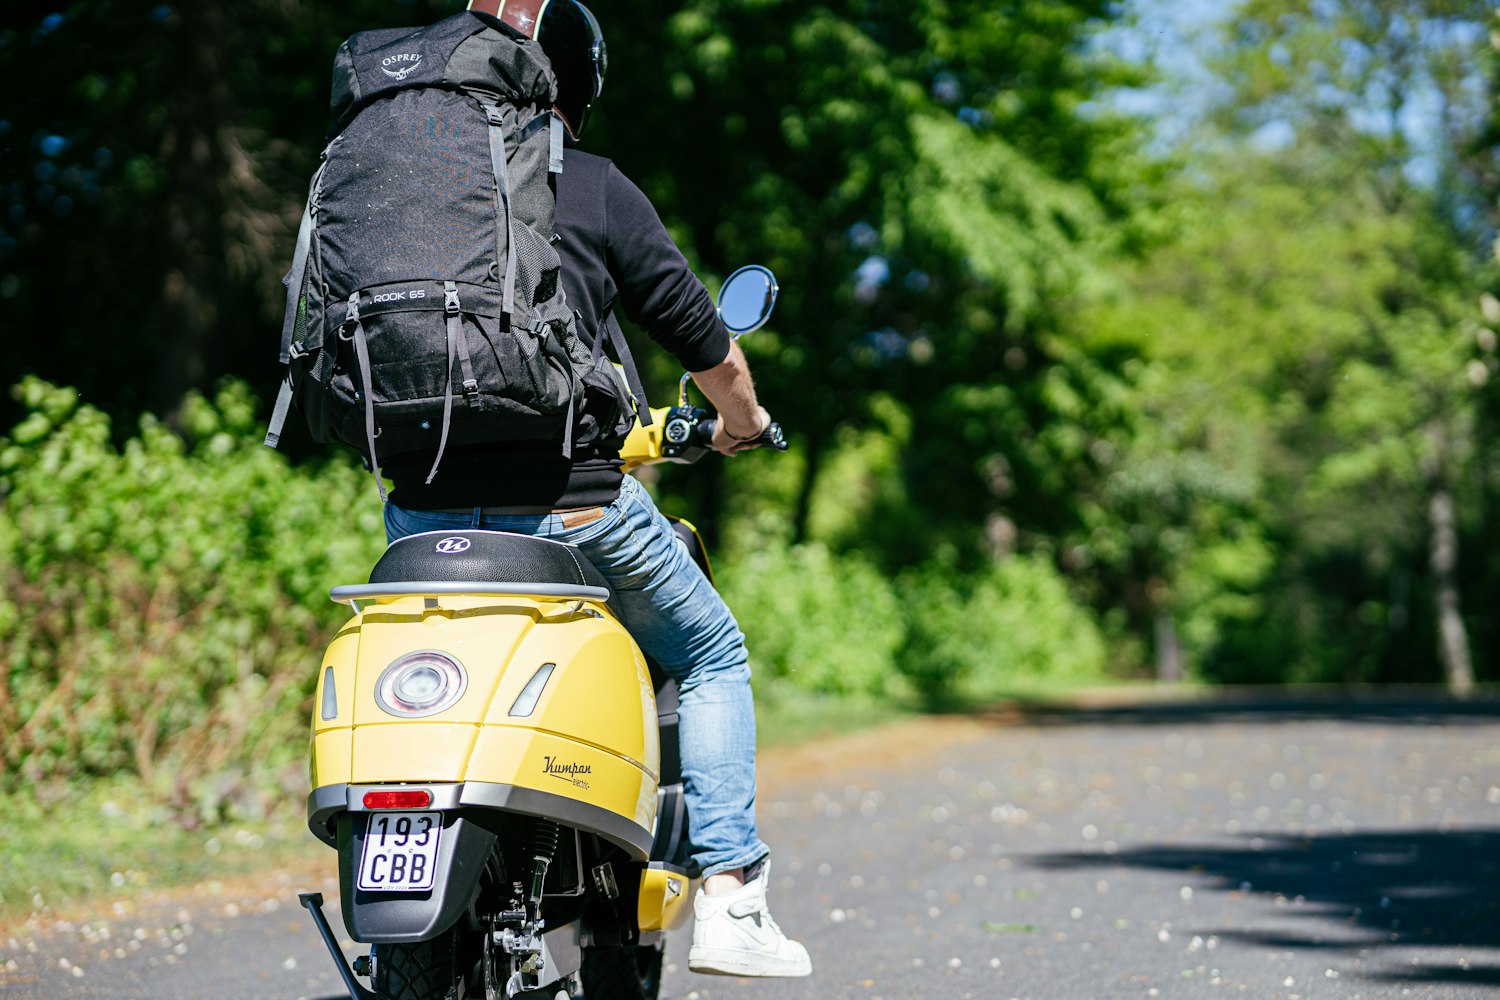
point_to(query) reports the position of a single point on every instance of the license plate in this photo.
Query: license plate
(400, 852)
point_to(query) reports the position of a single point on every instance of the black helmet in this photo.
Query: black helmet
(569, 34)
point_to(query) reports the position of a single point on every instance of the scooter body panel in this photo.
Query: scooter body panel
(565, 768)
(590, 734)
(411, 751)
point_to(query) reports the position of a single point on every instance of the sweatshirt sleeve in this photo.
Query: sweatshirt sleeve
(658, 291)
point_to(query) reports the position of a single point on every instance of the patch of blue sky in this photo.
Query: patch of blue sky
(1180, 39)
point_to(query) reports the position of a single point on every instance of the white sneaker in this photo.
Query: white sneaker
(734, 935)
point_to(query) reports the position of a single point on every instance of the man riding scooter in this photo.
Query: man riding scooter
(616, 253)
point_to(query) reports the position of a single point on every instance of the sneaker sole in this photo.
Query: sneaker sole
(751, 964)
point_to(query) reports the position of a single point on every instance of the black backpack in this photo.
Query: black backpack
(424, 304)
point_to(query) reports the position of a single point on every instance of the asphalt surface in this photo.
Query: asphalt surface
(1260, 848)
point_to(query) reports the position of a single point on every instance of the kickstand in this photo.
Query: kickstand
(314, 903)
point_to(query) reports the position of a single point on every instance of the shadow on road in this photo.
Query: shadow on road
(1416, 888)
(1389, 706)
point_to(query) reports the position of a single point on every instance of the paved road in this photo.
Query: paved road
(1270, 848)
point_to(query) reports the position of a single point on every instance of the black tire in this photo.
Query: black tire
(621, 973)
(428, 970)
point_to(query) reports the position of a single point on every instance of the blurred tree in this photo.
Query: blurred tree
(1315, 337)
(929, 184)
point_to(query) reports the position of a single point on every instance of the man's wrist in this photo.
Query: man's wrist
(759, 430)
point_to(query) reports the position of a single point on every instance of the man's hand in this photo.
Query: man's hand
(732, 441)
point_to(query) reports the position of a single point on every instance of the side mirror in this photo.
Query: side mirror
(747, 298)
(745, 302)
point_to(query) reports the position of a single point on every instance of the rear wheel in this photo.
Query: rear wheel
(621, 973)
(427, 970)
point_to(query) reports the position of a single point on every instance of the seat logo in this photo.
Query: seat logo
(401, 66)
(453, 546)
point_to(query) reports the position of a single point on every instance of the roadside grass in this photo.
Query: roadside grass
(785, 718)
(105, 842)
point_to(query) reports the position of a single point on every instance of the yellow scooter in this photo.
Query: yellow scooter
(496, 761)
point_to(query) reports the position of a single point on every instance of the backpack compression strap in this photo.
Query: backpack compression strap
(362, 351)
(505, 242)
(610, 329)
(455, 336)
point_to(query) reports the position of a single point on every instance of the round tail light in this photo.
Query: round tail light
(421, 684)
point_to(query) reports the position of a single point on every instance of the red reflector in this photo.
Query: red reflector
(416, 798)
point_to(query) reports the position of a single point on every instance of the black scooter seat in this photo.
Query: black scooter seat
(472, 556)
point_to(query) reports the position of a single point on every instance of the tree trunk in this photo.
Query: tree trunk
(812, 454)
(1168, 650)
(1453, 638)
(195, 162)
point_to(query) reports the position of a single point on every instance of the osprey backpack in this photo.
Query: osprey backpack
(424, 306)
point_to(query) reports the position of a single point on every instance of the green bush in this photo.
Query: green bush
(815, 621)
(163, 605)
(832, 624)
(983, 637)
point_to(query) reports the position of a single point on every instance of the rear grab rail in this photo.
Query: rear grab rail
(434, 588)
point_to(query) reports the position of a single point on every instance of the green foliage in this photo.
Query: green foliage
(928, 185)
(815, 621)
(981, 637)
(1313, 363)
(828, 624)
(162, 601)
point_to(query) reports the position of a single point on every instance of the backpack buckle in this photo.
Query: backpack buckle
(450, 298)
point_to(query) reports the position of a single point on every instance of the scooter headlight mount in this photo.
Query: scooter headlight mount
(421, 684)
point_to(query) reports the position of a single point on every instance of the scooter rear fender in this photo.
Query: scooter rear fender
(404, 918)
(337, 816)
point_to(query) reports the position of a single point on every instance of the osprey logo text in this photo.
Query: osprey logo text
(567, 772)
(401, 66)
(453, 546)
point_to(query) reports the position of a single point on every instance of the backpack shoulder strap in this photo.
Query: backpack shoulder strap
(610, 330)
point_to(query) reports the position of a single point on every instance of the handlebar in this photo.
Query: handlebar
(688, 431)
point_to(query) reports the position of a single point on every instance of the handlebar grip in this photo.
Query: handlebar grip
(772, 437)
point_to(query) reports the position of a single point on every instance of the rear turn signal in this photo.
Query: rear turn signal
(415, 798)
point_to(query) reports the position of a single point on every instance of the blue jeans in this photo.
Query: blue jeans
(682, 623)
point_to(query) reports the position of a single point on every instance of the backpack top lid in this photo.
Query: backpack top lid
(468, 51)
